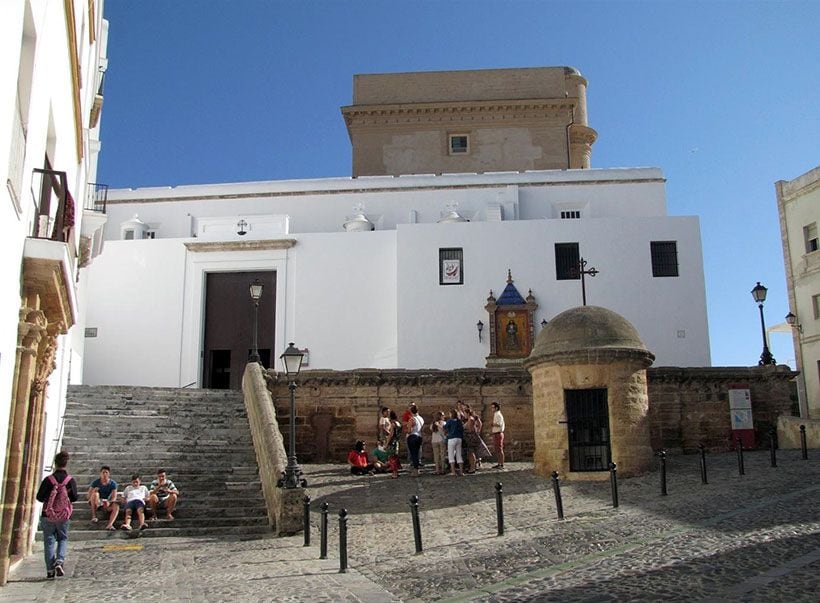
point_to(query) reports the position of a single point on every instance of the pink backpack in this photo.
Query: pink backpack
(58, 506)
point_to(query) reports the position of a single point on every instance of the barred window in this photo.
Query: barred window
(664, 258)
(571, 214)
(567, 259)
(459, 144)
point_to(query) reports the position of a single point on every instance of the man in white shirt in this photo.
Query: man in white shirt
(498, 435)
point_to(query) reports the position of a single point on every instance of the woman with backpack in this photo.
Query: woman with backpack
(57, 492)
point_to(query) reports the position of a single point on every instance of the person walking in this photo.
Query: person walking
(498, 435)
(57, 491)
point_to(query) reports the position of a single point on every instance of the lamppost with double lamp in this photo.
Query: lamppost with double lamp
(256, 293)
(292, 359)
(759, 295)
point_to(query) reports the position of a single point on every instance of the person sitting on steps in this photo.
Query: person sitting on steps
(135, 496)
(102, 494)
(163, 495)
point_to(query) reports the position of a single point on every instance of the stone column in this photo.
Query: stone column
(31, 329)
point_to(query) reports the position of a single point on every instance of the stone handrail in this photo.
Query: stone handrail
(283, 505)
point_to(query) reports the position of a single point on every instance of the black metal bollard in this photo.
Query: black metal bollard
(703, 464)
(414, 511)
(323, 534)
(662, 454)
(556, 488)
(343, 541)
(804, 449)
(499, 508)
(773, 447)
(613, 482)
(307, 520)
(739, 447)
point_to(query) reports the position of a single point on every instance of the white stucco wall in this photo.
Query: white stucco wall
(43, 83)
(437, 324)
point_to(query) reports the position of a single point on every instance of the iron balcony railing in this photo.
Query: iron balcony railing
(97, 197)
(55, 215)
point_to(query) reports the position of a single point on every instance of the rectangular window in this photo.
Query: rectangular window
(815, 304)
(567, 259)
(572, 214)
(451, 266)
(459, 144)
(664, 258)
(810, 236)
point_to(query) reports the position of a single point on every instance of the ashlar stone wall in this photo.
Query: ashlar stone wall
(687, 406)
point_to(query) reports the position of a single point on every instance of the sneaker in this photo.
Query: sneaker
(143, 526)
(125, 527)
(58, 569)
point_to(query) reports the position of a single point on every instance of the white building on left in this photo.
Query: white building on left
(52, 212)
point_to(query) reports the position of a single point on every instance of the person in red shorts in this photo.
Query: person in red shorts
(357, 459)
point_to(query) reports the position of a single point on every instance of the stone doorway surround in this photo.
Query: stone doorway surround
(584, 348)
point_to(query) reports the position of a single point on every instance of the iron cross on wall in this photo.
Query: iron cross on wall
(582, 264)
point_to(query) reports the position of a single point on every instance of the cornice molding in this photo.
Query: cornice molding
(381, 189)
(464, 112)
(213, 246)
(421, 377)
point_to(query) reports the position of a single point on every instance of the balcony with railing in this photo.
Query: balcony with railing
(50, 253)
(97, 197)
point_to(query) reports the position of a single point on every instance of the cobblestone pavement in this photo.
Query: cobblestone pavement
(739, 538)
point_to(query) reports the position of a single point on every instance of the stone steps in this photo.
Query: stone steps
(200, 437)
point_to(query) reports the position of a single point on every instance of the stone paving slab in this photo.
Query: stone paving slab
(738, 538)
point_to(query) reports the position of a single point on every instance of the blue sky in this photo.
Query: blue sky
(723, 96)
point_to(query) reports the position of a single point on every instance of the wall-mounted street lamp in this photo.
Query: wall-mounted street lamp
(480, 326)
(544, 322)
(256, 293)
(241, 228)
(759, 295)
(791, 320)
(292, 359)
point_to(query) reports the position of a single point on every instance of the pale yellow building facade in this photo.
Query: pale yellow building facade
(475, 121)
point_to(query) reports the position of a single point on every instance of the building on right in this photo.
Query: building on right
(798, 205)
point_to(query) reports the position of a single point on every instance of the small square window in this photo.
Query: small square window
(664, 258)
(459, 144)
(810, 236)
(451, 266)
(567, 261)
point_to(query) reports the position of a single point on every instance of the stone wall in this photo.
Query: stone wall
(284, 506)
(687, 406)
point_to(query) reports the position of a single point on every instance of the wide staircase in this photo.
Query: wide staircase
(200, 437)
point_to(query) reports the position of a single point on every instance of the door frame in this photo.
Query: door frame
(200, 259)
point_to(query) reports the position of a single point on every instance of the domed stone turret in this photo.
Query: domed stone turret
(590, 403)
(583, 333)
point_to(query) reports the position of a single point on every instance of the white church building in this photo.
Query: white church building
(460, 180)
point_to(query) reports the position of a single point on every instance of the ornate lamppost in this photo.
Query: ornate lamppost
(256, 293)
(292, 359)
(759, 295)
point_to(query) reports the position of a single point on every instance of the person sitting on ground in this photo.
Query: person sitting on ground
(135, 495)
(357, 458)
(102, 494)
(163, 495)
(379, 458)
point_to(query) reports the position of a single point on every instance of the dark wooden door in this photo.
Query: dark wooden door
(229, 326)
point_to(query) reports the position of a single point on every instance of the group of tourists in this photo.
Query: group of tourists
(457, 442)
(58, 492)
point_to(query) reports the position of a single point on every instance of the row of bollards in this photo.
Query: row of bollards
(499, 502)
